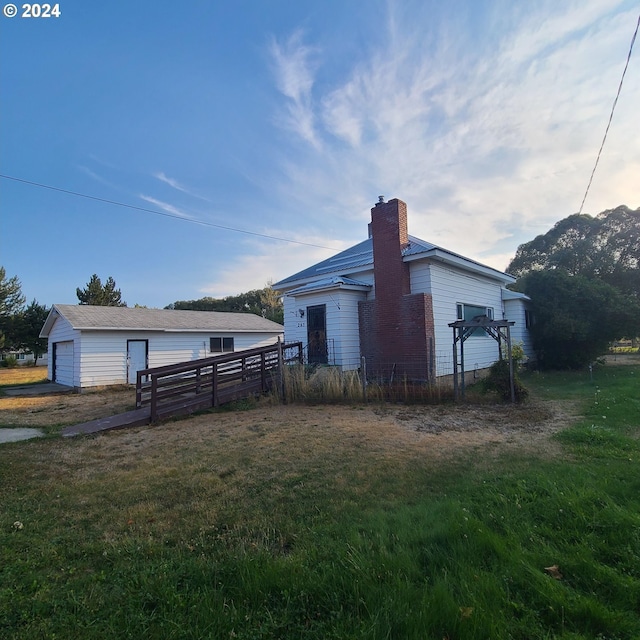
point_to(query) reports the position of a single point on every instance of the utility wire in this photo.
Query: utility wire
(615, 102)
(163, 213)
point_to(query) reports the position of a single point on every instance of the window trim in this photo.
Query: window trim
(226, 344)
(460, 315)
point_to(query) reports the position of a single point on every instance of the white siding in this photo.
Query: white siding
(420, 274)
(450, 286)
(514, 310)
(342, 328)
(104, 353)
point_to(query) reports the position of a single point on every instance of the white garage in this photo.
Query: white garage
(95, 346)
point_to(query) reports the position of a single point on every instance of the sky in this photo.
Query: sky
(250, 139)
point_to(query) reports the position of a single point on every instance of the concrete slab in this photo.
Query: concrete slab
(46, 388)
(15, 435)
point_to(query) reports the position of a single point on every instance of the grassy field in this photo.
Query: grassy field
(378, 521)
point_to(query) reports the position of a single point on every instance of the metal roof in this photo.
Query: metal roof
(359, 258)
(96, 318)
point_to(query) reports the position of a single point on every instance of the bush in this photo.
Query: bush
(498, 382)
(10, 362)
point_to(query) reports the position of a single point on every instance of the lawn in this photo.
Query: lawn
(379, 521)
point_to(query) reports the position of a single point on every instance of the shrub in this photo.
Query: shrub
(498, 382)
(10, 362)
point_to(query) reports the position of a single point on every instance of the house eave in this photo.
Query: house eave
(452, 259)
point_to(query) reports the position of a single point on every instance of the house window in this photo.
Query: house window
(468, 312)
(528, 319)
(221, 345)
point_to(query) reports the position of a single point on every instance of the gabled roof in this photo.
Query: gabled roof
(331, 283)
(360, 258)
(95, 318)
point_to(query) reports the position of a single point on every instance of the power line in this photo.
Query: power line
(615, 102)
(164, 213)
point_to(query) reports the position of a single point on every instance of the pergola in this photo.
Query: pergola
(499, 330)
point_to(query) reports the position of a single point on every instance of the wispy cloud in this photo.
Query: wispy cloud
(166, 207)
(488, 150)
(175, 184)
(263, 261)
(293, 67)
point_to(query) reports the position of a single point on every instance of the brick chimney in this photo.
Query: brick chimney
(390, 237)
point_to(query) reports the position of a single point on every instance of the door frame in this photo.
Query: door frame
(317, 345)
(146, 356)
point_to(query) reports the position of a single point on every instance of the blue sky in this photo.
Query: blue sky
(289, 119)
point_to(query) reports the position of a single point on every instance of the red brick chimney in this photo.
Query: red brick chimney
(390, 237)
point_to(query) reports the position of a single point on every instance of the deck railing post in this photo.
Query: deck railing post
(214, 385)
(154, 398)
(138, 390)
(281, 371)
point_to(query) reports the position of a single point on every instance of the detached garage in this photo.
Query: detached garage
(92, 346)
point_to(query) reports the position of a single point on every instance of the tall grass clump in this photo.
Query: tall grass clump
(328, 384)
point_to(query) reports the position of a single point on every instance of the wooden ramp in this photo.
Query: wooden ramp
(135, 418)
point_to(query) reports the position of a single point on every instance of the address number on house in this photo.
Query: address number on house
(32, 10)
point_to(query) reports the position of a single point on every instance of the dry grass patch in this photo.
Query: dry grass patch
(64, 409)
(22, 375)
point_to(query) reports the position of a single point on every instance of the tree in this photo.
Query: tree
(575, 318)
(11, 302)
(102, 295)
(11, 298)
(28, 324)
(264, 302)
(605, 247)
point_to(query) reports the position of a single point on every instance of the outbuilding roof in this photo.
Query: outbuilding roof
(96, 318)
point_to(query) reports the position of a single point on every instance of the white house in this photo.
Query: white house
(391, 299)
(94, 346)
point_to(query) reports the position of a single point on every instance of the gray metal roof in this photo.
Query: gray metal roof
(95, 318)
(360, 258)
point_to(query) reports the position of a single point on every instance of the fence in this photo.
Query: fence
(209, 382)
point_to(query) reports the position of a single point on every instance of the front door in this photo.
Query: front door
(317, 334)
(136, 358)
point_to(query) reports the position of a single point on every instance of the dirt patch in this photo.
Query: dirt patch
(282, 440)
(385, 430)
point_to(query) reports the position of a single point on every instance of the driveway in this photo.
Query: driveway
(47, 388)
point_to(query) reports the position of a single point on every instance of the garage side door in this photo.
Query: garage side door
(63, 362)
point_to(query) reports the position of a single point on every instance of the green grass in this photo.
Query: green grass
(228, 542)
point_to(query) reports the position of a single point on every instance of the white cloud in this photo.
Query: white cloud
(263, 261)
(490, 137)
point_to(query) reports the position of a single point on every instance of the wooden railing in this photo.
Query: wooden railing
(209, 382)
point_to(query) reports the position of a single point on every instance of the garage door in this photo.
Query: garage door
(63, 363)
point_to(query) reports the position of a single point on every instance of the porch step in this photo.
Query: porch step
(135, 418)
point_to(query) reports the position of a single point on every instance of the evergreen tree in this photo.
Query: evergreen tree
(11, 302)
(96, 293)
